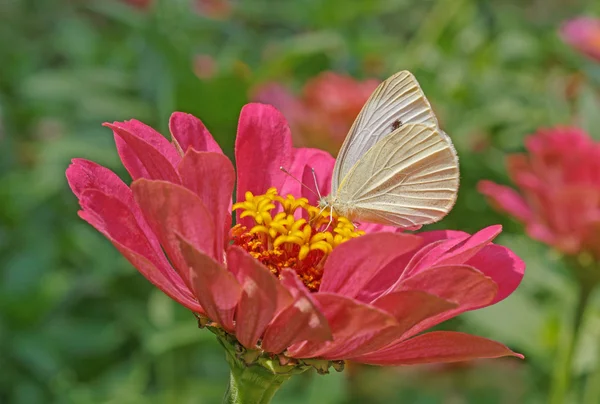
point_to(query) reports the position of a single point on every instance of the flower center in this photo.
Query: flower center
(290, 233)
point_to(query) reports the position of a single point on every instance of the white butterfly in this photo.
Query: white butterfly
(396, 166)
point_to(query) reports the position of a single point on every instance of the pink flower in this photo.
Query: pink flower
(204, 66)
(583, 34)
(324, 112)
(281, 281)
(559, 183)
(216, 9)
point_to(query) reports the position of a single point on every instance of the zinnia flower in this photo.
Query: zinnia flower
(559, 183)
(325, 110)
(281, 288)
(583, 34)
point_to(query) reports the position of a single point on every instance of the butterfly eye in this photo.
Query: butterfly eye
(396, 124)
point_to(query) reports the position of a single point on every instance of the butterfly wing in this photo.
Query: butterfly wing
(397, 101)
(409, 178)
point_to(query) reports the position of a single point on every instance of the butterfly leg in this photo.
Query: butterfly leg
(330, 219)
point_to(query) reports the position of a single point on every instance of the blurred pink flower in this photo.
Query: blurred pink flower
(325, 110)
(583, 33)
(205, 66)
(281, 281)
(559, 183)
(217, 9)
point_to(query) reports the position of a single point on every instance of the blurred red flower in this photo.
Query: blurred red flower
(559, 183)
(325, 110)
(281, 280)
(583, 33)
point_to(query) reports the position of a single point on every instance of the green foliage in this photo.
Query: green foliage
(79, 325)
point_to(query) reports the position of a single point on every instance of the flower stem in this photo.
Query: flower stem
(252, 385)
(567, 340)
(591, 389)
(587, 277)
(591, 393)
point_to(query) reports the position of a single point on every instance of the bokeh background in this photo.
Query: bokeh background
(79, 325)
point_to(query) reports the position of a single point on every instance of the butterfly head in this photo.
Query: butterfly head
(332, 204)
(325, 202)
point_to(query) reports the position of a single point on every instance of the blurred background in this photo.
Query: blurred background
(79, 325)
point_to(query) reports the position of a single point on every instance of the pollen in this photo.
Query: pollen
(288, 232)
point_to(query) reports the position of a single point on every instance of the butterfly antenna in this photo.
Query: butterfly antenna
(300, 182)
(316, 183)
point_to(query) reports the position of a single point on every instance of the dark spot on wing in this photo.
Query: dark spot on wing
(396, 124)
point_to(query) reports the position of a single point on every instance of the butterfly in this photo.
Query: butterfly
(396, 166)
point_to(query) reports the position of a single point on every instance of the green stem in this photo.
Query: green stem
(562, 371)
(587, 276)
(591, 394)
(250, 384)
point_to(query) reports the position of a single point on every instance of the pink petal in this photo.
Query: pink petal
(437, 346)
(470, 247)
(189, 132)
(436, 243)
(502, 265)
(118, 223)
(428, 255)
(283, 297)
(542, 232)
(171, 209)
(462, 284)
(393, 272)
(263, 144)
(258, 302)
(304, 161)
(453, 251)
(212, 177)
(441, 247)
(142, 152)
(322, 163)
(84, 174)
(353, 264)
(151, 273)
(216, 288)
(352, 323)
(150, 136)
(301, 321)
(437, 235)
(408, 308)
(378, 228)
(506, 199)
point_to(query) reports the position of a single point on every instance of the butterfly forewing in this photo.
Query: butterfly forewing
(397, 101)
(408, 178)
